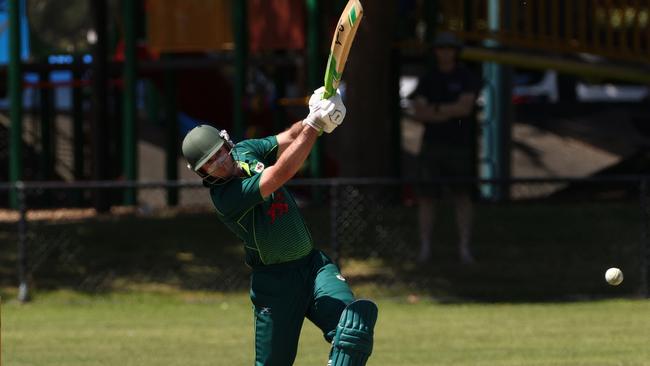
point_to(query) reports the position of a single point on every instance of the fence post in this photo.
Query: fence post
(23, 272)
(129, 75)
(334, 206)
(645, 236)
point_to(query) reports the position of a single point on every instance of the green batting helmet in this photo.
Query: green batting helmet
(200, 144)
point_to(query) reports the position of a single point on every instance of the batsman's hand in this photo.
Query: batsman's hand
(325, 114)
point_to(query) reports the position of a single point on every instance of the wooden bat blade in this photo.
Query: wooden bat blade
(346, 29)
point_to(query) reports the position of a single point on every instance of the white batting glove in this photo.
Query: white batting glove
(316, 98)
(314, 122)
(325, 114)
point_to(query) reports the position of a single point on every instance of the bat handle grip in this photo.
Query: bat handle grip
(329, 91)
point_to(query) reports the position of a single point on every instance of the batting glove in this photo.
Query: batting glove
(325, 114)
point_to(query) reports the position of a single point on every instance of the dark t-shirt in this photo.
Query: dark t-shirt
(438, 87)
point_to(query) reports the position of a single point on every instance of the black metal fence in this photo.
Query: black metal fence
(552, 239)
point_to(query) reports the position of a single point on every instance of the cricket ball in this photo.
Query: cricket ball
(614, 276)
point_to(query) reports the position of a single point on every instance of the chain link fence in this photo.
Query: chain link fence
(553, 239)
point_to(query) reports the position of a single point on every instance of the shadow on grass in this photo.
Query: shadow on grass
(532, 252)
(193, 252)
(524, 253)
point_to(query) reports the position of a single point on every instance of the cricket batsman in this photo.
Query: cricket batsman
(290, 279)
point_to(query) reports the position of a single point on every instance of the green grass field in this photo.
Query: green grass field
(169, 327)
(166, 290)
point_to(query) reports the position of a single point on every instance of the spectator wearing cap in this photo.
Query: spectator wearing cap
(444, 102)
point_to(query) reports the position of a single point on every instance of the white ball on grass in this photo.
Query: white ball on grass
(614, 276)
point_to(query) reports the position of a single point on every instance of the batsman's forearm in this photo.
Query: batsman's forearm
(295, 155)
(288, 163)
(288, 136)
(294, 130)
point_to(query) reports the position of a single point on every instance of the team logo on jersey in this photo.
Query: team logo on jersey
(279, 206)
(258, 167)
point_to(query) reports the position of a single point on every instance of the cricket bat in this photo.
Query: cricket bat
(346, 29)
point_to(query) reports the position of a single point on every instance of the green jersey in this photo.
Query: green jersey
(272, 229)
